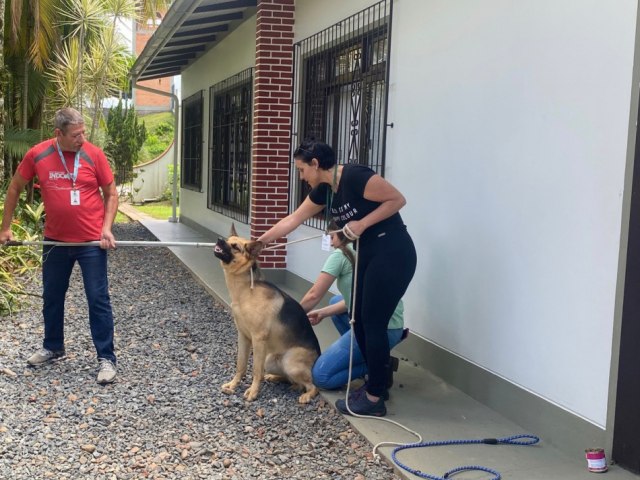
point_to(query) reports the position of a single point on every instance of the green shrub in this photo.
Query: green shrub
(20, 265)
(154, 146)
(126, 137)
(164, 129)
(168, 191)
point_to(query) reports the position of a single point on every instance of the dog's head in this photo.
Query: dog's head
(237, 254)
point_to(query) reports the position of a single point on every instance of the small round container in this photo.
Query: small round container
(596, 460)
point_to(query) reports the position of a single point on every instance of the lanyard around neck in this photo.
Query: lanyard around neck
(330, 198)
(76, 165)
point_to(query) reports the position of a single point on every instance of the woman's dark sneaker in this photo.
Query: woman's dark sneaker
(361, 405)
(362, 389)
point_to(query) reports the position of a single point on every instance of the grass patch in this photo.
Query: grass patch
(159, 210)
(152, 120)
(121, 218)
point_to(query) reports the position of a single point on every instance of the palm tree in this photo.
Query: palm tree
(33, 36)
(108, 58)
(52, 63)
(29, 38)
(104, 59)
(149, 8)
(2, 90)
(65, 75)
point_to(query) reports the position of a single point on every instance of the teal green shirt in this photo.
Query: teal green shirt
(338, 266)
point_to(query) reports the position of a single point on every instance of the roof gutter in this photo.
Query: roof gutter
(176, 117)
(139, 69)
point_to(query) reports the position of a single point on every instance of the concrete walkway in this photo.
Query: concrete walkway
(419, 400)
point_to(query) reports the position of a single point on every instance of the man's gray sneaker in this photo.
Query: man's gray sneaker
(43, 356)
(107, 372)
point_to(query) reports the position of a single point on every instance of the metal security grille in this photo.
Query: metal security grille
(192, 109)
(230, 104)
(341, 90)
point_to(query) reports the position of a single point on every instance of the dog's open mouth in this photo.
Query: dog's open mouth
(222, 251)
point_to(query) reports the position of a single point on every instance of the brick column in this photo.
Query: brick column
(272, 121)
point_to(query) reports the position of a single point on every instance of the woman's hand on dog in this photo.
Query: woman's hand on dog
(315, 316)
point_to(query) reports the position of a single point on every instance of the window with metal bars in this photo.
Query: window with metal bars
(341, 91)
(230, 105)
(192, 110)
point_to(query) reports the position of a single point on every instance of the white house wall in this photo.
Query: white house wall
(233, 54)
(509, 142)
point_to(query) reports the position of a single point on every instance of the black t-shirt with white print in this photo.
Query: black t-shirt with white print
(348, 202)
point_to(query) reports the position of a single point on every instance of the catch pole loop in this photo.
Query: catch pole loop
(350, 233)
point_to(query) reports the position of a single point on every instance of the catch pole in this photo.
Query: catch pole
(96, 243)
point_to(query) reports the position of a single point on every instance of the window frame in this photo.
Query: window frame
(230, 146)
(341, 91)
(192, 135)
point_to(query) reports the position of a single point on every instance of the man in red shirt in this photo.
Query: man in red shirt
(71, 173)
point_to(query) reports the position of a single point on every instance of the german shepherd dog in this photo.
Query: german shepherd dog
(284, 344)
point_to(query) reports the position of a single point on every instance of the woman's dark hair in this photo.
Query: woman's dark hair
(344, 242)
(310, 149)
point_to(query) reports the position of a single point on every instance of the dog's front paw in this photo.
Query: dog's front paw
(229, 388)
(308, 396)
(251, 394)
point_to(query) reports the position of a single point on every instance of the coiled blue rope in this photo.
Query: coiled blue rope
(524, 439)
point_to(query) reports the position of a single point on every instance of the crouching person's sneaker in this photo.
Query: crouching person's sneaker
(361, 405)
(107, 372)
(361, 391)
(44, 356)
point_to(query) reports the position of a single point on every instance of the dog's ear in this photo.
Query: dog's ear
(254, 248)
(233, 232)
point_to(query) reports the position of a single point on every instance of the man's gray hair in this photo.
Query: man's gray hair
(67, 116)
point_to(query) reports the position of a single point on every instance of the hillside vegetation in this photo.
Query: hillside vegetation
(159, 135)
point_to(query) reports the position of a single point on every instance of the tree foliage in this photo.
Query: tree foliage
(125, 137)
(20, 266)
(56, 53)
(61, 53)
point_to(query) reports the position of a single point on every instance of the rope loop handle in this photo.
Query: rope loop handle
(349, 233)
(518, 440)
(514, 440)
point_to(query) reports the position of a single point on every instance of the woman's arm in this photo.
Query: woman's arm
(317, 291)
(289, 223)
(390, 199)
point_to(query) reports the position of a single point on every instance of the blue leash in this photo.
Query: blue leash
(513, 440)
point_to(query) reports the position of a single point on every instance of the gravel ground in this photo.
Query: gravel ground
(165, 417)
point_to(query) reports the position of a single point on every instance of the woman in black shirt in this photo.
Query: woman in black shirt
(367, 205)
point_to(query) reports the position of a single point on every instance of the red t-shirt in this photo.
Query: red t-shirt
(66, 222)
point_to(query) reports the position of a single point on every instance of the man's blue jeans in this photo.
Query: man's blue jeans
(331, 370)
(57, 264)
